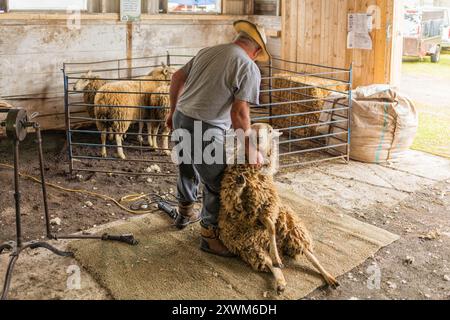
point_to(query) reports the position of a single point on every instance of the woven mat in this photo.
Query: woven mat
(167, 263)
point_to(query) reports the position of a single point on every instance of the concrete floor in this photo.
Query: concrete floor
(356, 188)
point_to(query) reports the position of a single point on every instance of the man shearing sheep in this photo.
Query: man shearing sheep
(215, 88)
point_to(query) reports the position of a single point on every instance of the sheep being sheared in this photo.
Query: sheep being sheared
(160, 100)
(114, 104)
(254, 224)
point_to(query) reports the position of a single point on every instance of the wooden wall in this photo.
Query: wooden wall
(315, 31)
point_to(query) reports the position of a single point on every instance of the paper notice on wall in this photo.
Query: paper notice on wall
(359, 28)
(130, 10)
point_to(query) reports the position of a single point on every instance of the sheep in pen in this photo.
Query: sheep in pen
(120, 102)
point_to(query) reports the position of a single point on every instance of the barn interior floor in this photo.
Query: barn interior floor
(410, 198)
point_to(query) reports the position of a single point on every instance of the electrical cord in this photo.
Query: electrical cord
(125, 199)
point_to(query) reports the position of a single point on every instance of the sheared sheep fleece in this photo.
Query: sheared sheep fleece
(242, 212)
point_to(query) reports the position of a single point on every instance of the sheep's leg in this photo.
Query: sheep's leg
(165, 140)
(103, 138)
(274, 254)
(291, 233)
(111, 135)
(280, 281)
(329, 279)
(149, 137)
(155, 129)
(139, 137)
(119, 139)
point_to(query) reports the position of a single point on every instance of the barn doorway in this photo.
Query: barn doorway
(425, 71)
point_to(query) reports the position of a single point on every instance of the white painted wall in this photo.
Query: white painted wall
(32, 52)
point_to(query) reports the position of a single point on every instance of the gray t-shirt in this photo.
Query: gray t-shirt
(216, 77)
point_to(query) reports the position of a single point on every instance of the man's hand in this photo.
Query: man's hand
(169, 121)
(240, 117)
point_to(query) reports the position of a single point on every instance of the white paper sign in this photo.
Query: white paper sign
(359, 26)
(130, 10)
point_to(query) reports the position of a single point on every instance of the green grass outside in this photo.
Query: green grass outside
(433, 134)
(417, 67)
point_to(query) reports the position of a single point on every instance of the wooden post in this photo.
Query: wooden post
(129, 49)
(397, 43)
(103, 6)
(94, 6)
(249, 7)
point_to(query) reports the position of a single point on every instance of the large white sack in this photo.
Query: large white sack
(384, 124)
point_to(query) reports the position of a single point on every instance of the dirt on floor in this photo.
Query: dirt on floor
(414, 267)
(82, 211)
(417, 266)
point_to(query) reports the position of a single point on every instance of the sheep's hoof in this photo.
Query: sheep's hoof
(332, 282)
(240, 180)
(281, 288)
(104, 155)
(122, 156)
(167, 152)
(140, 140)
(279, 265)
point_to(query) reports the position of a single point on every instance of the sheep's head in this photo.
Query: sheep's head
(82, 83)
(266, 138)
(162, 73)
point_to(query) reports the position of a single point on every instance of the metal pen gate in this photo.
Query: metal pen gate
(309, 103)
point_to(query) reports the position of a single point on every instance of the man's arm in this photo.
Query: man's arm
(240, 115)
(176, 87)
(240, 118)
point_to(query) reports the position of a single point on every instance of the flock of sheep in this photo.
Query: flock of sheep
(253, 222)
(115, 106)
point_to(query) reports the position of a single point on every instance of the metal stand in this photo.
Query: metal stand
(16, 125)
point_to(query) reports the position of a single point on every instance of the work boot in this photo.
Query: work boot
(186, 215)
(211, 243)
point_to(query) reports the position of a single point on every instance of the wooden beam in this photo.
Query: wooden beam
(130, 49)
(249, 7)
(115, 16)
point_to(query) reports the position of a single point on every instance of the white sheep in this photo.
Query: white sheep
(120, 103)
(160, 100)
(253, 222)
(89, 84)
